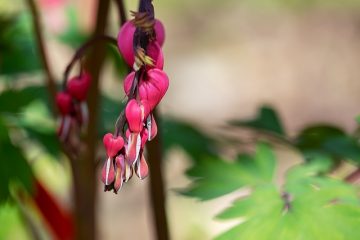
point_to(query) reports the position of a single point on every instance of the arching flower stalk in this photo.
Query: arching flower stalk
(139, 42)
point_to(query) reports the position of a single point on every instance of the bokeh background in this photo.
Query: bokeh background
(224, 59)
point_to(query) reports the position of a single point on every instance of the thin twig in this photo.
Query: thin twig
(121, 10)
(157, 193)
(82, 50)
(50, 80)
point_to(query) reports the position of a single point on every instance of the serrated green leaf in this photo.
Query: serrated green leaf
(215, 177)
(315, 207)
(267, 119)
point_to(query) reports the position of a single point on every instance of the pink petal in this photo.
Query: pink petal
(64, 102)
(141, 168)
(135, 113)
(64, 127)
(112, 145)
(160, 32)
(133, 148)
(78, 87)
(126, 36)
(120, 170)
(108, 173)
(151, 127)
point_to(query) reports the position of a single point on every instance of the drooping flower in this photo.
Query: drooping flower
(126, 43)
(65, 106)
(78, 88)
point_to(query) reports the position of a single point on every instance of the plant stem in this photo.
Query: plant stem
(121, 10)
(50, 80)
(84, 168)
(82, 50)
(157, 195)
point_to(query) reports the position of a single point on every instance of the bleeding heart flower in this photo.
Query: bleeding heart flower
(64, 103)
(120, 172)
(78, 86)
(151, 127)
(136, 112)
(142, 168)
(108, 172)
(152, 86)
(112, 144)
(133, 148)
(126, 40)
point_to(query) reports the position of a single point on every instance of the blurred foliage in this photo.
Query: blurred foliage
(17, 46)
(11, 223)
(308, 206)
(267, 120)
(325, 139)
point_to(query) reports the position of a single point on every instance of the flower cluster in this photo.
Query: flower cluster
(72, 105)
(139, 42)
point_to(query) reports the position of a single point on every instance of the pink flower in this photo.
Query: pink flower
(152, 86)
(112, 144)
(65, 106)
(125, 43)
(136, 112)
(78, 88)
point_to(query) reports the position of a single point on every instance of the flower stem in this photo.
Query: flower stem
(50, 80)
(157, 195)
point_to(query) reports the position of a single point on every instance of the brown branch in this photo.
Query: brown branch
(121, 10)
(82, 50)
(50, 80)
(353, 177)
(84, 169)
(155, 157)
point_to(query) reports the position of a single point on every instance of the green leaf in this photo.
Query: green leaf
(311, 207)
(358, 119)
(214, 177)
(330, 140)
(14, 101)
(184, 135)
(13, 165)
(266, 120)
(17, 45)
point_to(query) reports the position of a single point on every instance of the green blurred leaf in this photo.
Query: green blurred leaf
(329, 140)
(13, 165)
(13, 101)
(358, 119)
(215, 177)
(267, 119)
(12, 224)
(184, 135)
(17, 45)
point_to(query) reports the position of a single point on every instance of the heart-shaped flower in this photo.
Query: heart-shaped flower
(112, 144)
(108, 172)
(152, 86)
(142, 168)
(78, 86)
(126, 40)
(120, 169)
(64, 103)
(136, 112)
